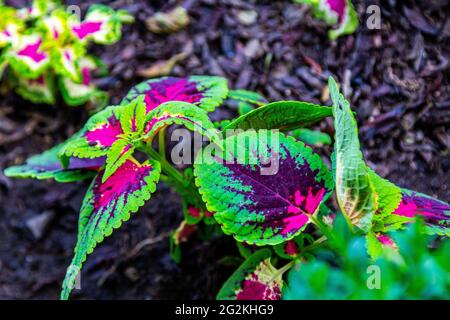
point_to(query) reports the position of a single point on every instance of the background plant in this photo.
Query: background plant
(340, 13)
(44, 49)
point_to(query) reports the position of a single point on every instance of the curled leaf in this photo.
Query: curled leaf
(182, 113)
(354, 190)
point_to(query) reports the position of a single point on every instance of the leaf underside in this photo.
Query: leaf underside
(354, 190)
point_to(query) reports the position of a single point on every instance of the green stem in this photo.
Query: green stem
(173, 175)
(162, 142)
(319, 242)
(283, 269)
(166, 167)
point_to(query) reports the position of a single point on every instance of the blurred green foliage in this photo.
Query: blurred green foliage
(344, 270)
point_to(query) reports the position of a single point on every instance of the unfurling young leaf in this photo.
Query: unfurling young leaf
(95, 139)
(107, 205)
(267, 196)
(255, 279)
(202, 91)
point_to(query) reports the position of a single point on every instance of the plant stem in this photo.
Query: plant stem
(323, 227)
(173, 175)
(319, 242)
(166, 167)
(162, 142)
(283, 269)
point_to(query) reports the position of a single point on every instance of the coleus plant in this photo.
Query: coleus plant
(258, 183)
(340, 13)
(44, 48)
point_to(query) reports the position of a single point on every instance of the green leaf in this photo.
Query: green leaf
(247, 100)
(120, 151)
(374, 246)
(388, 194)
(40, 90)
(354, 190)
(132, 118)
(106, 206)
(283, 115)
(255, 279)
(311, 137)
(247, 96)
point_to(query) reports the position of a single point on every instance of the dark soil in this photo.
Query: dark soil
(397, 78)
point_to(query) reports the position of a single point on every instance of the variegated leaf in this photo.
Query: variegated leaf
(263, 187)
(181, 113)
(77, 93)
(202, 91)
(40, 90)
(27, 57)
(256, 279)
(435, 212)
(102, 24)
(106, 206)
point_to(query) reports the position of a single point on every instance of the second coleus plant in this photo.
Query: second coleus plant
(340, 13)
(44, 48)
(254, 179)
